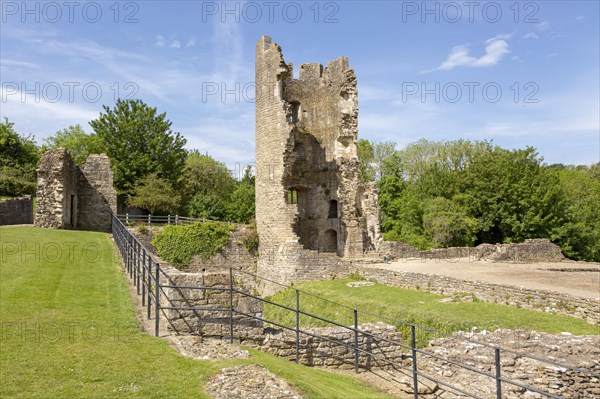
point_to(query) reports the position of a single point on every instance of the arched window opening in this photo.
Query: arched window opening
(292, 196)
(329, 241)
(333, 209)
(295, 108)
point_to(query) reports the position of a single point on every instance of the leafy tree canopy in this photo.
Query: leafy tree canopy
(19, 156)
(79, 143)
(155, 195)
(438, 194)
(139, 142)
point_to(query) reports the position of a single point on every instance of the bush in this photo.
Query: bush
(250, 239)
(178, 244)
(13, 184)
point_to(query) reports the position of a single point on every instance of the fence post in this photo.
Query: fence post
(498, 380)
(144, 278)
(355, 341)
(297, 326)
(413, 346)
(149, 219)
(149, 292)
(129, 253)
(127, 218)
(176, 220)
(133, 264)
(137, 265)
(231, 305)
(157, 299)
(169, 219)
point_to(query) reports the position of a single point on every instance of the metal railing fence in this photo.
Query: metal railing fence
(150, 220)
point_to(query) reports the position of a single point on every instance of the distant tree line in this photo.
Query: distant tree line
(462, 193)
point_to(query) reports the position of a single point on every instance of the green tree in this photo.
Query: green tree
(447, 224)
(207, 186)
(19, 156)
(79, 143)
(139, 142)
(436, 194)
(366, 158)
(513, 196)
(241, 206)
(155, 195)
(579, 234)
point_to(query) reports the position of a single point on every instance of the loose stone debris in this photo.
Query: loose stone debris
(207, 349)
(251, 382)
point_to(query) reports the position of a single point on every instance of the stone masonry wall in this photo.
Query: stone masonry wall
(69, 197)
(546, 301)
(16, 211)
(56, 195)
(308, 193)
(214, 320)
(333, 347)
(97, 197)
(473, 349)
(531, 250)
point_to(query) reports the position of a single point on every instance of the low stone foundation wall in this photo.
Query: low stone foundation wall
(334, 346)
(16, 211)
(545, 301)
(532, 250)
(577, 351)
(212, 319)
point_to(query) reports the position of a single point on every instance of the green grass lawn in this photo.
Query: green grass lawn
(415, 307)
(69, 330)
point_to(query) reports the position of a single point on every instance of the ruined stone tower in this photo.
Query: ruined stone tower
(311, 209)
(70, 197)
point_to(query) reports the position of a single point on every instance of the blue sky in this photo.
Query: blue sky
(518, 73)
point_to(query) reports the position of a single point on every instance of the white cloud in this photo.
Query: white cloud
(503, 36)
(552, 55)
(175, 44)
(160, 41)
(544, 25)
(531, 35)
(495, 49)
(5, 62)
(191, 42)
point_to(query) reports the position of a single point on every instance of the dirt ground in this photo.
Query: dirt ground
(574, 278)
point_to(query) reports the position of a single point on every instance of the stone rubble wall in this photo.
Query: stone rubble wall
(97, 197)
(532, 250)
(57, 181)
(70, 197)
(546, 301)
(333, 347)
(472, 349)
(16, 211)
(209, 322)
